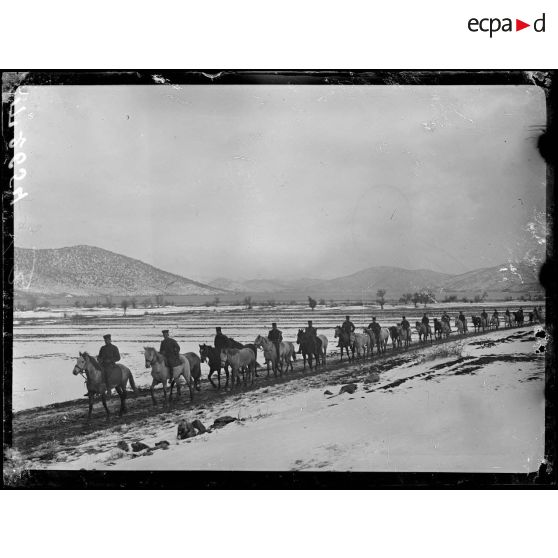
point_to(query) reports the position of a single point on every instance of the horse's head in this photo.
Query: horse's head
(337, 332)
(81, 363)
(224, 355)
(150, 356)
(299, 336)
(258, 341)
(203, 352)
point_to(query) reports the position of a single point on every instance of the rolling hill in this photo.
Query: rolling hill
(88, 270)
(509, 277)
(392, 279)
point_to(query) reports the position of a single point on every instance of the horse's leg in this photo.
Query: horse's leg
(178, 388)
(122, 395)
(90, 406)
(104, 400)
(190, 387)
(172, 381)
(211, 374)
(152, 394)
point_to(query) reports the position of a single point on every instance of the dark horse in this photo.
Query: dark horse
(310, 346)
(118, 377)
(213, 357)
(477, 324)
(345, 342)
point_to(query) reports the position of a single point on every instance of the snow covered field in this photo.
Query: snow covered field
(46, 344)
(467, 406)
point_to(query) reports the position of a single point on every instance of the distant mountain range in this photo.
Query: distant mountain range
(89, 271)
(396, 281)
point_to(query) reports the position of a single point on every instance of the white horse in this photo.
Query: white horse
(460, 326)
(240, 360)
(371, 339)
(161, 373)
(404, 336)
(117, 376)
(446, 328)
(323, 339)
(362, 344)
(383, 337)
(287, 353)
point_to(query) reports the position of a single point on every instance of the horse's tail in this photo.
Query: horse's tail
(132, 383)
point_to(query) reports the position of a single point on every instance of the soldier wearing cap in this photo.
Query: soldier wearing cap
(311, 329)
(405, 323)
(348, 327)
(374, 326)
(276, 336)
(220, 339)
(170, 349)
(109, 355)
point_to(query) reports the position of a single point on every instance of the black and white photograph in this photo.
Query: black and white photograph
(278, 273)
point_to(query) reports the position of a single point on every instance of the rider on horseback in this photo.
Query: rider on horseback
(484, 315)
(170, 349)
(376, 328)
(405, 323)
(310, 329)
(220, 339)
(276, 336)
(347, 327)
(109, 355)
(462, 319)
(445, 317)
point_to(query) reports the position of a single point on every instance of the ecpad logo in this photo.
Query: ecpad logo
(493, 25)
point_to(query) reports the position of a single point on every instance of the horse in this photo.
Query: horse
(518, 318)
(213, 357)
(240, 360)
(495, 322)
(484, 323)
(437, 329)
(195, 369)
(161, 373)
(310, 346)
(286, 352)
(380, 340)
(459, 324)
(405, 336)
(118, 377)
(346, 341)
(362, 344)
(476, 323)
(508, 320)
(372, 340)
(424, 331)
(446, 328)
(323, 339)
(395, 339)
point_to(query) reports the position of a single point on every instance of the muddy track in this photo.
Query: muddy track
(60, 422)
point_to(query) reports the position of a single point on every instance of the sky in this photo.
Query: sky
(281, 181)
